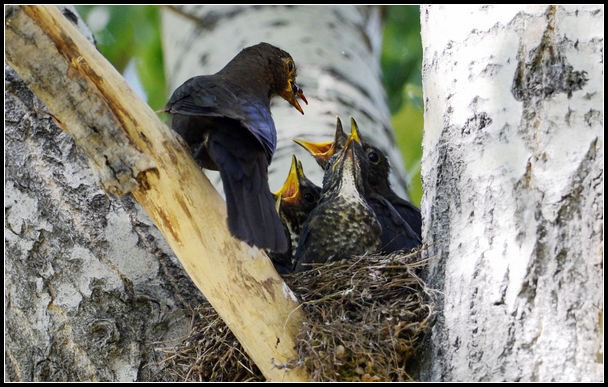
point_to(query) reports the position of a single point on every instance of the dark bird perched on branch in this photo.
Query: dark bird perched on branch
(400, 219)
(342, 224)
(225, 119)
(295, 201)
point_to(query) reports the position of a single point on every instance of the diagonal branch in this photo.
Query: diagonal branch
(131, 151)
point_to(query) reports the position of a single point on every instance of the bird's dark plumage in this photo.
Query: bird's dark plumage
(397, 232)
(342, 224)
(401, 220)
(225, 119)
(295, 201)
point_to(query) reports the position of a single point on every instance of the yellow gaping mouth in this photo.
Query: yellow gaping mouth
(290, 190)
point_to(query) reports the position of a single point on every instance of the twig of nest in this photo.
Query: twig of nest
(365, 319)
(210, 353)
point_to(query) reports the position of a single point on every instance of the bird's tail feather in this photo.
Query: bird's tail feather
(252, 216)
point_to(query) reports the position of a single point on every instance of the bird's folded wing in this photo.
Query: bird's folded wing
(204, 96)
(400, 233)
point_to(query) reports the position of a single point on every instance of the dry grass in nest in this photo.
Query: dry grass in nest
(365, 320)
(210, 353)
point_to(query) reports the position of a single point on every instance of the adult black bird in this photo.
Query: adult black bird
(295, 201)
(378, 179)
(342, 224)
(225, 119)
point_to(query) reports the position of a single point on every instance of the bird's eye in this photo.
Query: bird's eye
(373, 157)
(309, 198)
(290, 66)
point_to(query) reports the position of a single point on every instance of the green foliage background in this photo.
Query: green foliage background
(402, 78)
(124, 33)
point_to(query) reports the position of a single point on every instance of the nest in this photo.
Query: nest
(365, 321)
(210, 353)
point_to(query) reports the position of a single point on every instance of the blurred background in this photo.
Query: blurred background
(130, 38)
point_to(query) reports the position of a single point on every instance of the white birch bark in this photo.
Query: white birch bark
(336, 50)
(513, 174)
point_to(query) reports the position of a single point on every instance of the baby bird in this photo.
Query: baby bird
(401, 220)
(342, 224)
(295, 201)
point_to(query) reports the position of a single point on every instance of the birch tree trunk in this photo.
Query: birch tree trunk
(336, 50)
(513, 174)
(92, 288)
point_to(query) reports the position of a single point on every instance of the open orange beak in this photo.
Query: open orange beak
(346, 152)
(298, 92)
(290, 94)
(319, 150)
(354, 131)
(290, 190)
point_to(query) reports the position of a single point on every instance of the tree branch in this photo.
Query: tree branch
(132, 151)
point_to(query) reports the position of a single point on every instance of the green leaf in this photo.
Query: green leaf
(401, 62)
(131, 33)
